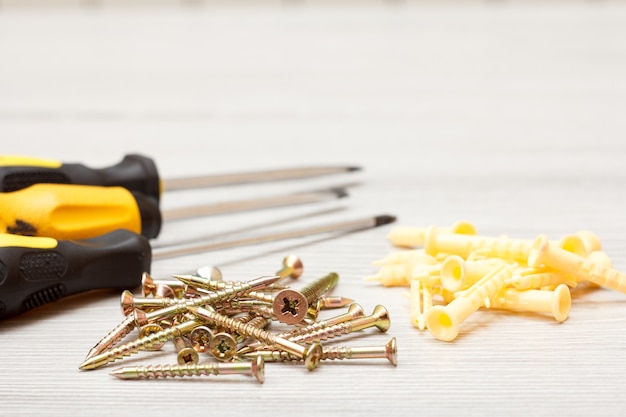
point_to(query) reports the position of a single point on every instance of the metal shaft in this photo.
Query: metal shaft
(348, 226)
(254, 204)
(173, 184)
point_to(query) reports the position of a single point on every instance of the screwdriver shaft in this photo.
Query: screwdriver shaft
(252, 177)
(253, 204)
(347, 226)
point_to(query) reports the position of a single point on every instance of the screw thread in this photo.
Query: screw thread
(336, 352)
(320, 286)
(142, 344)
(260, 309)
(165, 371)
(254, 368)
(259, 296)
(272, 355)
(114, 336)
(323, 333)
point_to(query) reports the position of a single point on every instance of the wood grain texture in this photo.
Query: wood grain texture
(511, 117)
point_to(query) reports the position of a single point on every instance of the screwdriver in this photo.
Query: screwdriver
(66, 211)
(38, 270)
(136, 173)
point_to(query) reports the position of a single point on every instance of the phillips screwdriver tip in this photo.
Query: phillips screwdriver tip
(340, 192)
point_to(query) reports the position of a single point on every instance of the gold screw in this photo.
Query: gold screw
(135, 346)
(389, 351)
(129, 302)
(290, 306)
(256, 368)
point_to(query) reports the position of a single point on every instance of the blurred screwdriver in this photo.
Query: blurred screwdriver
(65, 211)
(38, 270)
(136, 173)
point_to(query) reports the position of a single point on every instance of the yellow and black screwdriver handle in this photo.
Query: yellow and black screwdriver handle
(38, 270)
(135, 172)
(63, 211)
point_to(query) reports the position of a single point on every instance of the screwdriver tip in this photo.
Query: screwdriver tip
(384, 219)
(354, 168)
(340, 192)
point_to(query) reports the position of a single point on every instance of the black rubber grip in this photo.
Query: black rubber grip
(32, 277)
(135, 173)
(151, 219)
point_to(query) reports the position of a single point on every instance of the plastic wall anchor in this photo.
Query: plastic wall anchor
(591, 240)
(443, 321)
(511, 250)
(420, 302)
(584, 269)
(410, 237)
(400, 275)
(556, 302)
(457, 274)
(534, 278)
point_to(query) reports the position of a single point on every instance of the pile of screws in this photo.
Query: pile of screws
(225, 320)
(457, 272)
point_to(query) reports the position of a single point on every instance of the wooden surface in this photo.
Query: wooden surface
(509, 116)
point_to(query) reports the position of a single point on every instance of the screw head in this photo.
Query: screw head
(383, 322)
(164, 291)
(223, 346)
(312, 356)
(147, 284)
(290, 306)
(355, 311)
(127, 302)
(186, 356)
(149, 329)
(140, 317)
(391, 351)
(294, 262)
(258, 368)
(200, 338)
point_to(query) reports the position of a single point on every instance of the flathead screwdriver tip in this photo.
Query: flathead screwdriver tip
(384, 219)
(354, 168)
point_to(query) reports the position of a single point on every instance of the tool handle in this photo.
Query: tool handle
(135, 173)
(64, 211)
(38, 270)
